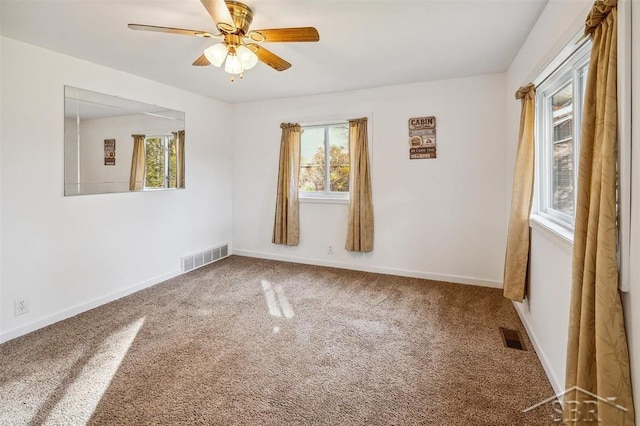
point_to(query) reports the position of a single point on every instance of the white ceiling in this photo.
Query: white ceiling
(363, 44)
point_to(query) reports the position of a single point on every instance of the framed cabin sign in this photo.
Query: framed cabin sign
(422, 138)
(109, 152)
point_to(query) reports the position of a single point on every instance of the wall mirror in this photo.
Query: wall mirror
(113, 144)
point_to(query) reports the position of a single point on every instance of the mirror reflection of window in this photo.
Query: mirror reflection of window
(149, 145)
(160, 162)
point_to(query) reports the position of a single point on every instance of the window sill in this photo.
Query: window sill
(558, 234)
(323, 200)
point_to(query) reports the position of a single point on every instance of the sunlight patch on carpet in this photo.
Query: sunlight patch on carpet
(277, 301)
(23, 386)
(83, 395)
(287, 309)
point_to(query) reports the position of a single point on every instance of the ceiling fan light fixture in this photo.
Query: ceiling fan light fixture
(239, 51)
(216, 54)
(248, 59)
(233, 65)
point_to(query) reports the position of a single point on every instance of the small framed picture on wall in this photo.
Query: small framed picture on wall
(422, 138)
(109, 152)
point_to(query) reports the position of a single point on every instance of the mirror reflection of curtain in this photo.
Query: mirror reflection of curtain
(136, 182)
(179, 136)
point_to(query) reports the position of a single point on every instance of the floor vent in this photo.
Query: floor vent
(204, 257)
(512, 339)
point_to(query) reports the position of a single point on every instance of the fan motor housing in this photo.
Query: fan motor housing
(241, 15)
(232, 40)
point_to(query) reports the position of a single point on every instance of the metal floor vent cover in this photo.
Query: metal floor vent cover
(512, 339)
(204, 257)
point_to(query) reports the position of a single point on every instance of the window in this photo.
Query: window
(558, 123)
(322, 145)
(160, 157)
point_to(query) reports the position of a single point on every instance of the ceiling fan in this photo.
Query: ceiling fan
(240, 49)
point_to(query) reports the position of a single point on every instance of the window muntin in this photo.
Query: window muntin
(160, 162)
(558, 125)
(321, 145)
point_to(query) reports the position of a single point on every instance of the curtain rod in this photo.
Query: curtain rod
(323, 123)
(574, 45)
(328, 119)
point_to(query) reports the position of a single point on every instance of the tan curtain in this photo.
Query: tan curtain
(136, 181)
(517, 256)
(597, 353)
(360, 228)
(179, 136)
(286, 227)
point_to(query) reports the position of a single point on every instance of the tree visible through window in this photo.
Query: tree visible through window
(160, 157)
(322, 145)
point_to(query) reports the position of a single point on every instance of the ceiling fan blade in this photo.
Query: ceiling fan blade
(202, 61)
(220, 14)
(140, 27)
(285, 34)
(269, 58)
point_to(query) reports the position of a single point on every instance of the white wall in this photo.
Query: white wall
(631, 299)
(441, 218)
(70, 253)
(545, 311)
(558, 22)
(1, 173)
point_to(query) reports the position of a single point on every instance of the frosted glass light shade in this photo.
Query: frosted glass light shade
(233, 66)
(216, 54)
(248, 59)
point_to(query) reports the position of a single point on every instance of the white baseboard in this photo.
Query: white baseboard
(83, 307)
(75, 310)
(377, 269)
(558, 386)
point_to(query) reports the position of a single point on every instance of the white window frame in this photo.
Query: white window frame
(165, 143)
(568, 71)
(326, 196)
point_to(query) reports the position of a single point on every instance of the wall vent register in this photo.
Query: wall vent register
(205, 257)
(512, 339)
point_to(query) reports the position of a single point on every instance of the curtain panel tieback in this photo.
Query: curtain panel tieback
(528, 91)
(599, 12)
(289, 125)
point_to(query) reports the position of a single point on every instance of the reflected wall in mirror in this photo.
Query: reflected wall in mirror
(113, 144)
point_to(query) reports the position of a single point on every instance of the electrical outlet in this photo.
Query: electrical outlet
(330, 250)
(21, 306)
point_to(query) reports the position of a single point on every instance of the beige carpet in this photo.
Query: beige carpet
(248, 341)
